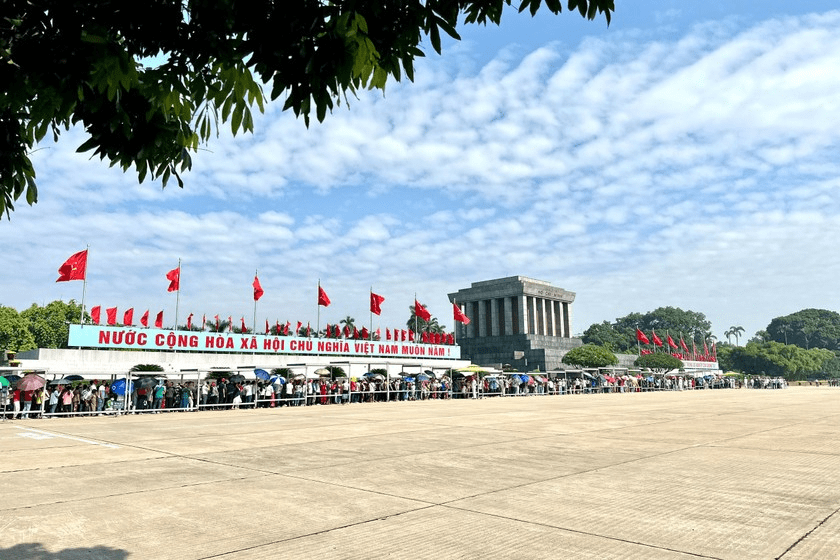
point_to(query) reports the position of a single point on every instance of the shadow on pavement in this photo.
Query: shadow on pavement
(36, 551)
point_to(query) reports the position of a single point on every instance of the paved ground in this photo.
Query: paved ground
(737, 474)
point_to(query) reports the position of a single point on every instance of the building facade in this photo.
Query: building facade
(520, 321)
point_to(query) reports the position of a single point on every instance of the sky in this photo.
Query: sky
(685, 155)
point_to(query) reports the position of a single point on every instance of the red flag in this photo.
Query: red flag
(189, 322)
(355, 332)
(308, 330)
(258, 291)
(322, 297)
(459, 315)
(73, 268)
(387, 334)
(203, 321)
(144, 320)
(705, 350)
(297, 330)
(95, 312)
(128, 317)
(242, 328)
(378, 334)
(421, 311)
(682, 344)
(365, 333)
(267, 328)
(641, 337)
(714, 351)
(159, 320)
(411, 336)
(174, 277)
(111, 312)
(671, 342)
(450, 338)
(217, 323)
(403, 335)
(288, 326)
(230, 323)
(656, 339)
(424, 337)
(375, 303)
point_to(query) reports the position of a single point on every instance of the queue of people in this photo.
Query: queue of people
(98, 397)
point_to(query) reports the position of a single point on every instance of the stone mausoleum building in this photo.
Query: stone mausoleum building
(520, 321)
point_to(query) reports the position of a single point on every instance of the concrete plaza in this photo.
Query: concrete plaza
(736, 474)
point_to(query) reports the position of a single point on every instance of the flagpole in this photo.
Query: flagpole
(318, 325)
(371, 313)
(84, 284)
(178, 295)
(415, 313)
(455, 329)
(256, 275)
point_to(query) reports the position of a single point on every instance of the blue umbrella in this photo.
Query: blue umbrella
(12, 379)
(118, 387)
(423, 377)
(262, 374)
(277, 379)
(524, 378)
(409, 380)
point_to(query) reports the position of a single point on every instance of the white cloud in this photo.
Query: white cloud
(698, 172)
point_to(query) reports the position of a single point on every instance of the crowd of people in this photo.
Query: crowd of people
(147, 394)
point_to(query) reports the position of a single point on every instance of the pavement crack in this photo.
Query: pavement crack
(806, 535)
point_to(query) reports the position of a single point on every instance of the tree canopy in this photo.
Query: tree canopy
(777, 359)
(809, 328)
(620, 335)
(590, 356)
(150, 81)
(49, 324)
(658, 362)
(14, 332)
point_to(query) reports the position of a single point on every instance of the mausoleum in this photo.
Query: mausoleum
(520, 321)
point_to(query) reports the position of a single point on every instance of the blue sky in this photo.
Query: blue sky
(684, 156)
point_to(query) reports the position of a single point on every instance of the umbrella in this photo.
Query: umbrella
(237, 378)
(4, 382)
(145, 382)
(262, 374)
(423, 377)
(277, 379)
(12, 378)
(322, 371)
(118, 387)
(374, 376)
(74, 378)
(30, 382)
(62, 381)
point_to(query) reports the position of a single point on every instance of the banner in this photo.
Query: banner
(161, 340)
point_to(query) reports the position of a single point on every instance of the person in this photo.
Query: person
(102, 394)
(56, 393)
(169, 395)
(67, 400)
(159, 392)
(213, 397)
(27, 403)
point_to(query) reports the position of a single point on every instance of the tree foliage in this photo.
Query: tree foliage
(590, 356)
(777, 360)
(620, 335)
(659, 362)
(420, 325)
(85, 62)
(809, 328)
(50, 324)
(14, 331)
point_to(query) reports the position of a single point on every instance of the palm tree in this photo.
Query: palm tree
(349, 323)
(737, 331)
(728, 334)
